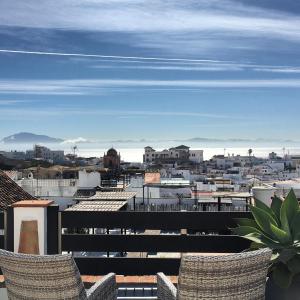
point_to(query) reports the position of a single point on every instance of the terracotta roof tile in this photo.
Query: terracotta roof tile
(10, 192)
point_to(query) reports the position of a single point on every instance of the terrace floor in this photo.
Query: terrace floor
(129, 287)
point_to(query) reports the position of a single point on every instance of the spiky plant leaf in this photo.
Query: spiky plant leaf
(249, 233)
(288, 210)
(286, 254)
(280, 235)
(295, 227)
(256, 246)
(294, 264)
(263, 220)
(276, 206)
(267, 209)
(247, 222)
(282, 276)
(275, 256)
(256, 236)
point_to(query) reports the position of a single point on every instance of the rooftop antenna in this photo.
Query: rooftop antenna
(74, 149)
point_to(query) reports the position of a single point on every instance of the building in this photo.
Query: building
(112, 159)
(179, 153)
(14, 154)
(44, 153)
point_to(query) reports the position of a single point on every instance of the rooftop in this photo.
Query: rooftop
(98, 206)
(10, 192)
(112, 196)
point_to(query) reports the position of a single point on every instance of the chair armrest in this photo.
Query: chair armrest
(106, 288)
(165, 288)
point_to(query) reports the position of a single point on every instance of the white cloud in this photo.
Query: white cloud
(76, 141)
(12, 102)
(174, 26)
(158, 63)
(100, 86)
(148, 16)
(63, 112)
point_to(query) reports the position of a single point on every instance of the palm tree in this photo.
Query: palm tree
(250, 151)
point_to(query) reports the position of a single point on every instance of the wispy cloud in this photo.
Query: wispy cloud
(13, 102)
(74, 111)
(159, 63)
(173, 26)
(99, 86)
(149, 16)
(115, 57)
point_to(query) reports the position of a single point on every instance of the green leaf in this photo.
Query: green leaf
(256, 246)
(247, 222)
(249, 233)
(282, 276)
(256, 236)
(281, 235)
(294, 265)
(286, 254)
(295, 227)
(275, 256)
(271, 243)
(263, 220)
(288, 210)
(267, 209)
(276, 206)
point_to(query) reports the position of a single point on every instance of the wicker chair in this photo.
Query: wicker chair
(239, 276)
(51, 277)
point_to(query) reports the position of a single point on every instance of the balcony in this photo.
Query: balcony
(133, 244)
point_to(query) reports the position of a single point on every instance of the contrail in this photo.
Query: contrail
(106, 56)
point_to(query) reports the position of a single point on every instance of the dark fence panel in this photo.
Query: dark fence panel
(1, 241)
(52, 229)
(1, 220)
(152, 220)
(127, 266)
(154, 243)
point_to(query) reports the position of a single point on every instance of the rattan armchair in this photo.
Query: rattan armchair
(239, 276)
(51, 277)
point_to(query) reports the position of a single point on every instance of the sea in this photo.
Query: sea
(133, 152)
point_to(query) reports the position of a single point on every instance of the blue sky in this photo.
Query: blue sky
(150, 69)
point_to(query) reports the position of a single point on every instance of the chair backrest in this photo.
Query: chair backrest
(234, 276)
(35, 277)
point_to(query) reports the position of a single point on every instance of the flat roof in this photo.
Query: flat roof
(97, 206)
(120, 195)
(170, 185)
(214, 201)
(231, 195)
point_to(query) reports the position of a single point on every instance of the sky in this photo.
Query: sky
(150, 69)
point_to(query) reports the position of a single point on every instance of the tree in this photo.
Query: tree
(250, 151)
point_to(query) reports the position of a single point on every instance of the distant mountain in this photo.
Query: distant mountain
(27, 137)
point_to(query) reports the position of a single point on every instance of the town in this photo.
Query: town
(172, 179)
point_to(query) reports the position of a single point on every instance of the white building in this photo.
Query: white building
(44, 153)
(13, 154)
(181, 152)
(196, 156)
(62, 188)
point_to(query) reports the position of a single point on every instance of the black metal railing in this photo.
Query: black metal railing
(203, 232)
(2, 233)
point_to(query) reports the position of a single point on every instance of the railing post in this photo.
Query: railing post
(9, 229)
(52, 229)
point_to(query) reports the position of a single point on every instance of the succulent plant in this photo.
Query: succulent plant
(278, 228)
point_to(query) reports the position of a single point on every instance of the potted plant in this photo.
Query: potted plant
(278, 228)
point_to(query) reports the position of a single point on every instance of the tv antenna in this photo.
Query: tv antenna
(74, 150)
